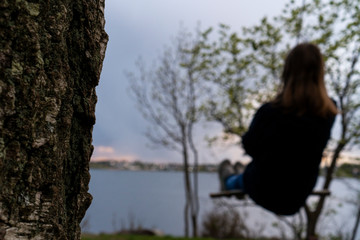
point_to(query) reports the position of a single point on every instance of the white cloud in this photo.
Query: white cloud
(102, 153)
(104, 149)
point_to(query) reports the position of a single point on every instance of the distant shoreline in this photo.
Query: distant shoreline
(143, 166)
(345, 170)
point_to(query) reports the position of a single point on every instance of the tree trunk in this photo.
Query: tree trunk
(356, 226)
(311, 225)
(187, 186)
(313, 216)
(194, 225)
(50, 62)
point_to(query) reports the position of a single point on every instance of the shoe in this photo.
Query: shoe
(239, 168)
(225, 170)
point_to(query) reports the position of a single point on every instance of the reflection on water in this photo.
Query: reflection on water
(156, 200)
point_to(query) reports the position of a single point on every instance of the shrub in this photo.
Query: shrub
(224, 221)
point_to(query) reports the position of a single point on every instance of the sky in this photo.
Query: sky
(142, 28)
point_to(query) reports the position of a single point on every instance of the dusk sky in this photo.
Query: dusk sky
(142, 28)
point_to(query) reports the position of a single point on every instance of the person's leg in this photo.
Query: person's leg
(225, 170)
(235, 182)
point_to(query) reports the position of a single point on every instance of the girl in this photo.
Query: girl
(287, 137)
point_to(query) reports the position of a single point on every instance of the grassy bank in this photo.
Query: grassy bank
(132, 237)
(144, 237)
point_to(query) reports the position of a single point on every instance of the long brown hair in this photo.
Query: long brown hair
(303, 89)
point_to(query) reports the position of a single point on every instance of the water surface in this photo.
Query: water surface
(156, 200)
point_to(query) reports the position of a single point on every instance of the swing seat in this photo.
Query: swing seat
(236, 193)
(240, 194)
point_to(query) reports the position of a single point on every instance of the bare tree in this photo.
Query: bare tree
(51, 55)
(168, 97)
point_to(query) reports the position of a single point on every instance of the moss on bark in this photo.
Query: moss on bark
(51, 57)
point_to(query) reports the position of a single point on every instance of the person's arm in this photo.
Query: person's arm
(252, 139)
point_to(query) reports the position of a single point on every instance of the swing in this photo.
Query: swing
(241, 195)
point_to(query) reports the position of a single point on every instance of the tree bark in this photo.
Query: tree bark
(50, 62)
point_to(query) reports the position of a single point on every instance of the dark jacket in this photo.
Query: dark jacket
(286, 152)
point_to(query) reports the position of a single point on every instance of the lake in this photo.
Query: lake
(156, 200)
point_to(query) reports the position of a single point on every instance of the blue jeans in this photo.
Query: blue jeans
(235, 182)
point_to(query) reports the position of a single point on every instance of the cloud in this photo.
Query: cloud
(104, 149)
(102, 153)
